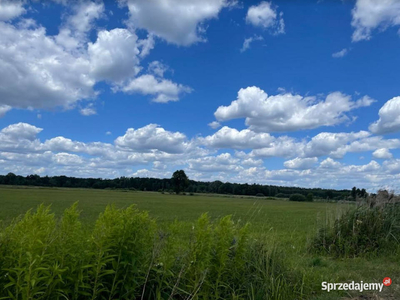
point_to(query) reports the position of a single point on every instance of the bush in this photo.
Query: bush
(297, 197)
(361, 230)
(260, 195)
(125, 256)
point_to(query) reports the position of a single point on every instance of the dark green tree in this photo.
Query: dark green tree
(354, 193)
(180, 181)
(310, 197)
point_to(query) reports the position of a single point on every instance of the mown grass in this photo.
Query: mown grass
(283, 225)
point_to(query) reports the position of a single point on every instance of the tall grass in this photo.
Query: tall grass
(127, 256)
(371, 227)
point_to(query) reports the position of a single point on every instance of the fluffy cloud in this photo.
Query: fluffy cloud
(114, 55)
(301, 163)
(10, 9)
(155, 152)
(214, 125)
(232, 138)
(288, 112)
(48, 77)
(389, 118)
(63, 69)
(177, 21)
(383, 153)
(265, 16)
(371, 14)
(153, 137)
(163, 90)
(221, 163)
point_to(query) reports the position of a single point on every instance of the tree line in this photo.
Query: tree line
(168, 185)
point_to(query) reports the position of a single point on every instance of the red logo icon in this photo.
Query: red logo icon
(387, 281)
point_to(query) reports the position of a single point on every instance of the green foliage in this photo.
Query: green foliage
(310, 197)
(180, 181)
(361, 230)
(297, 197)
(156, 184)
(125, 256)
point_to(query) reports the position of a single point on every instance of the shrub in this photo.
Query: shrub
(360, 230)
(125, 256)
(297, 197)
(260, 195)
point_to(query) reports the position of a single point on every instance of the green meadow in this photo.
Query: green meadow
(288, 226)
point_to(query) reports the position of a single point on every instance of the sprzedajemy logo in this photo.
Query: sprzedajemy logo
(356, 286)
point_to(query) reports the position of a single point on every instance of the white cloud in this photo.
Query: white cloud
(340, 53)
(301, 163)
(38, 70)
(10, 9)
(372, 14)
(4, 109)
(389, 118)
(114, 55)
(155, 152)
(232, 138)
(383, 153)
(163, 90)
(152, 137)
(214, 125)
(157, 68)
(177, 21)
(288, 112)
(48, 77)
(221, 163)
(248, 41)
(265, 16)
(329, 163)
(328, 143)
(108, 132)
(88, 110)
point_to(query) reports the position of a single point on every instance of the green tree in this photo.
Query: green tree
(180, 181)
(354, 193)
(310, 197)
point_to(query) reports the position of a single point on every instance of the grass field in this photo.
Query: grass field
(287, 224)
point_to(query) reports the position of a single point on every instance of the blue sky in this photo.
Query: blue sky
(283, 92)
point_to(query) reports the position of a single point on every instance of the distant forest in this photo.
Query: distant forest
(166, 185)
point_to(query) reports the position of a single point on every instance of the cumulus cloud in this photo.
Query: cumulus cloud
(152, 137)
(220, 163)
(382, 153)
(247, 42)
(176, 21)
(288, 112)
(10, 9)
(301, 163)
(265, 16)
(48, 77)
(43, 71)
(340, 53)
(114, 55)
(329, 163)
(163, 90)
(389, 118)
(228, 137)
(372, 14)
(155, 152)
